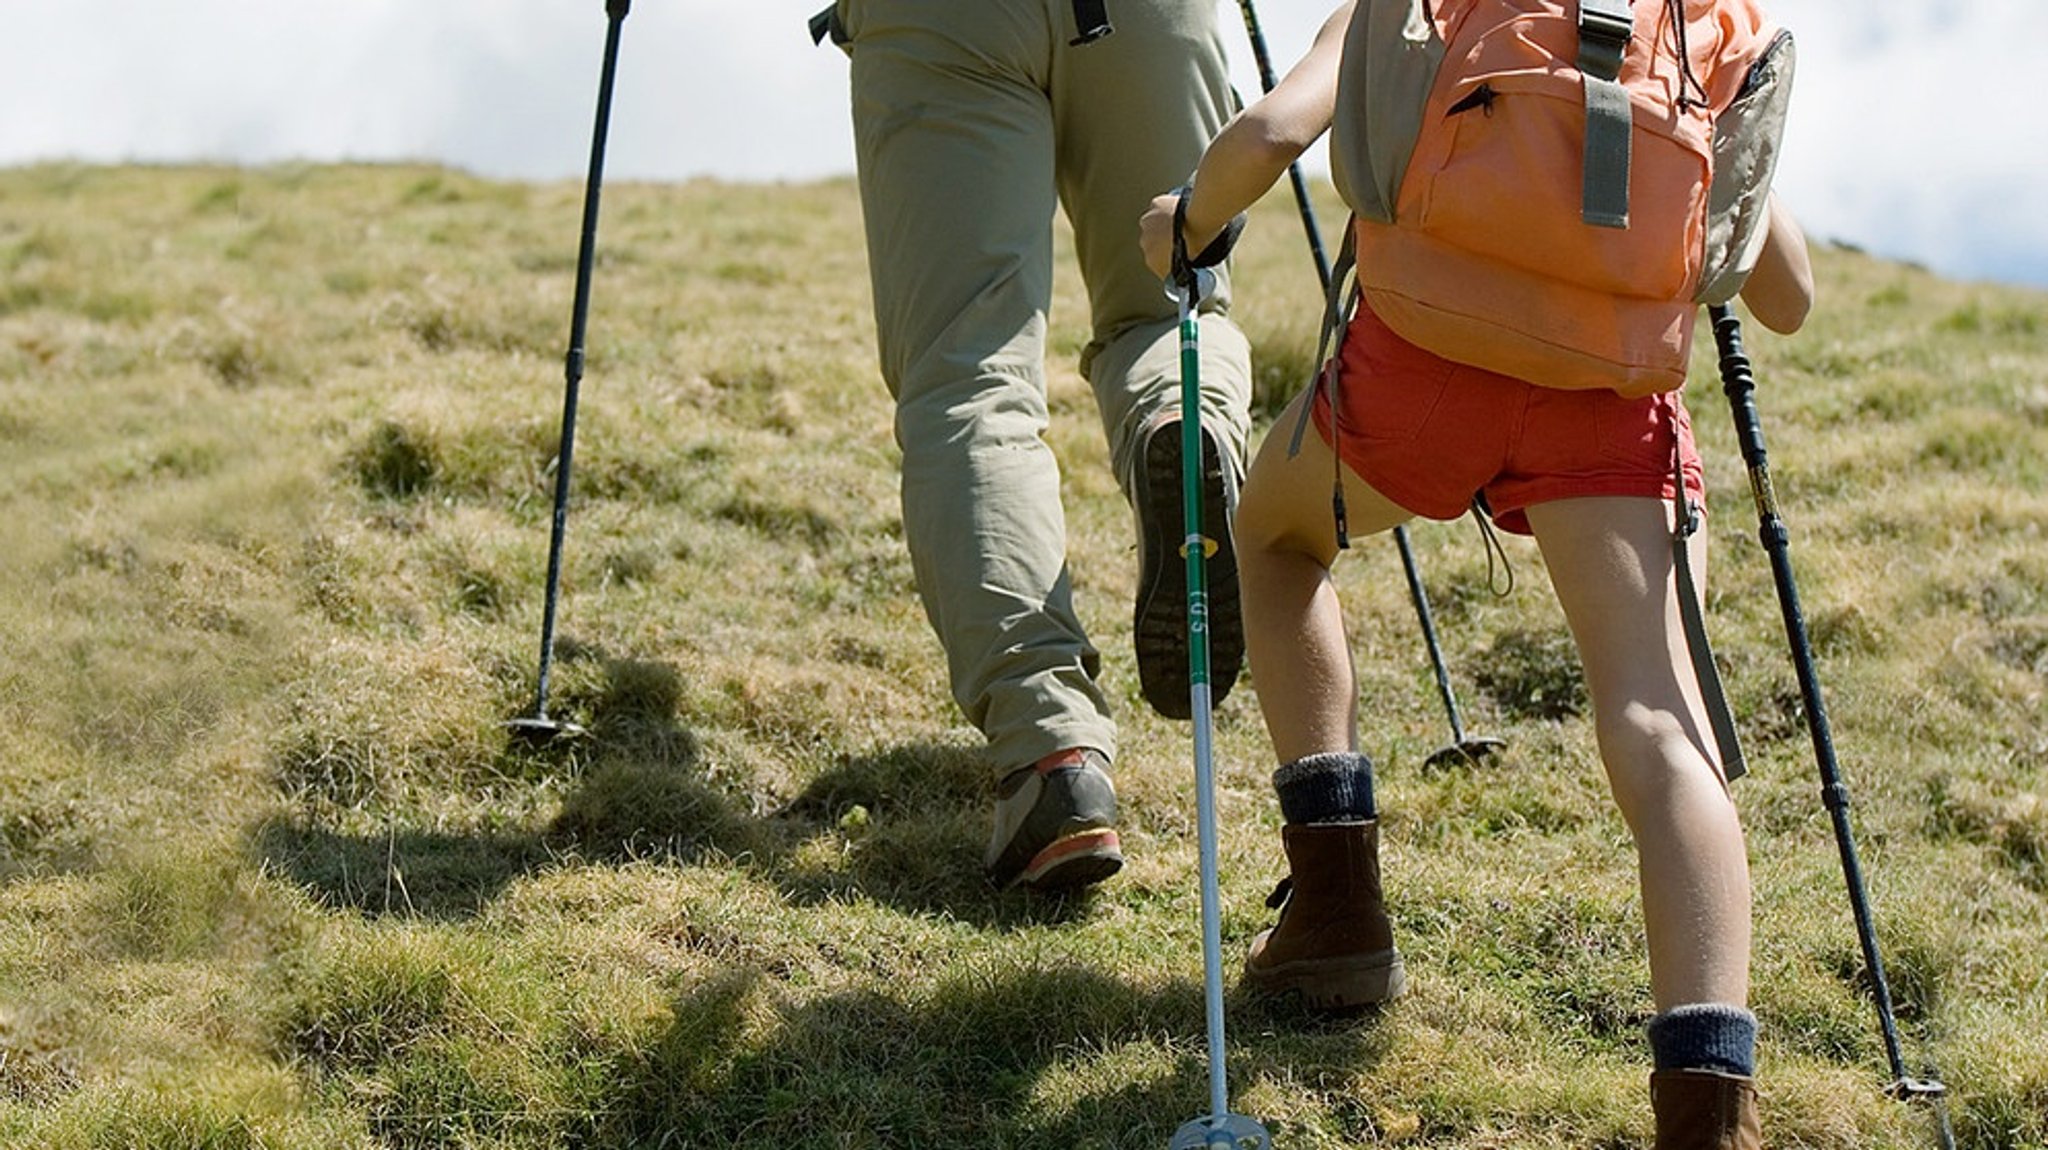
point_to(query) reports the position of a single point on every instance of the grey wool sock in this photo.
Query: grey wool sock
(1705, 1036)
(1327, 788)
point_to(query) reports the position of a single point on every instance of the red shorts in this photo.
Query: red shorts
(1429, 434)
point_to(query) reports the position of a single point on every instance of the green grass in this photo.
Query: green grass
(276, 465)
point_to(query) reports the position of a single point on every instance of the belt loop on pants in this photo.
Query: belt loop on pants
(1091, 22)
(826, 26)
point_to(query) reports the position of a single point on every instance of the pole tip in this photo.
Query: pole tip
(1472, 749)
(539, 730)
(1917, 1089)
(1229, 1130)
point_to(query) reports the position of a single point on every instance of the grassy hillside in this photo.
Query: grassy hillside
(275, 472)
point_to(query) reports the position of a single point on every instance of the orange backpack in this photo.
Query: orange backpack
(1550, 188)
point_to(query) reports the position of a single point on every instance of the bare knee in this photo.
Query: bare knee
(1654, 756)
(1274, 524)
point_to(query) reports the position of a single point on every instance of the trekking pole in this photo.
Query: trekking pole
(539, 727)
(1266, 81)
(1738, 382)
(1462, 745)
(1191, 281)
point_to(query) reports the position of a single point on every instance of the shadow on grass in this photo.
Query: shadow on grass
(915, 822)
(910, 823)
(635, 795)
(1009, 1050)
(1060, 1056)
(405, 872)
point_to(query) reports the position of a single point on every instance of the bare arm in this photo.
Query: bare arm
(1253, 150)
(1779, 290)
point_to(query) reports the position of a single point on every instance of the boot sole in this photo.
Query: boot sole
(1160, 622)
(1342, 983)
(1073, 861)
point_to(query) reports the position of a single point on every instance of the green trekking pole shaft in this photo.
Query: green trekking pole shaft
(1195, 548)
(1191, 281)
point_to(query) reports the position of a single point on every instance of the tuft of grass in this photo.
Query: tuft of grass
(395, 461)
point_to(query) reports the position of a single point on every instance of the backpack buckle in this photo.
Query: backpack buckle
(1604, 30)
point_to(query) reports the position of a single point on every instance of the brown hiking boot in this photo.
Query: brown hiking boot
(1334, 942)
(1704, 1110)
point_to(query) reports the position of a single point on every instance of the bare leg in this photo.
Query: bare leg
(1294, 626)
(1610, 561)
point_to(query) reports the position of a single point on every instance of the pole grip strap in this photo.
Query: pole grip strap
(1719, 715)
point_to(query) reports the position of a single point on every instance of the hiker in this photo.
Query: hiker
(1590, 473)
(972, 123)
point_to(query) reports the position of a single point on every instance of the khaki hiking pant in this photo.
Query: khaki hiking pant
(973, 121)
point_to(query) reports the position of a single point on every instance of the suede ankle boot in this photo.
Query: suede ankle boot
(1704, 1110)
(1334, 942)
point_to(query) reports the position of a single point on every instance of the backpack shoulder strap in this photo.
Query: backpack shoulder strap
(1392, 51)
(1338, 304)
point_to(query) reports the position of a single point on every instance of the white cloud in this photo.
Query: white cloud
(504, 87)
(1913, 135)
(1913, 130)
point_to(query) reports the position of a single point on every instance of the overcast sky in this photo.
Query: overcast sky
(1917, 128)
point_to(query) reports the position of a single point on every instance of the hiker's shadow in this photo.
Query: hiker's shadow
(904, 826)
(637, 793)
(1016, 1057)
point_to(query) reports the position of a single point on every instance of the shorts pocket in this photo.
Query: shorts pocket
(1393, 406)
(1635, 433)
